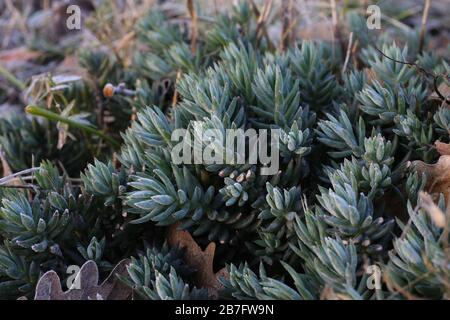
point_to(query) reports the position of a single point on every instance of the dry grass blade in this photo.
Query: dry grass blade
(349, 52)
(286, 11)
(335, 23)
(194, 25)
(423, 28)
(263, 16)
(5, 165)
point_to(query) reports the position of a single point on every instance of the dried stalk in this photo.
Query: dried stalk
(194, 25)
(349, 52)
(175, 93)
(424, 71)
(423, 28)
(335, 23)
(286, 11)
(17, 174)
(261, 24)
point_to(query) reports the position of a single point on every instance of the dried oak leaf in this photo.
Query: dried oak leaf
(7, 171)
(49, 285)
(442, 148)
(201, 261)
(438, 176)
(443, 89)
(5, 165)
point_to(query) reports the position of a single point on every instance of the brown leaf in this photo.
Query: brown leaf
(442, 148)
(443, 89)
(5, 165)
(7, 171)
(201, 260)
(49, 285)
(438, 176)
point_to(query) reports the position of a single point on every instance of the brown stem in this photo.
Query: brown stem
(286, 11)
(349, 52)
(194, 25)
(175, 92)
(422, 70)
(335, 23)
(423, 28)
(261, 29)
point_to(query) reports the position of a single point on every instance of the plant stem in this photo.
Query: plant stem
(38, 111)
(12, 79)
(12, 176)
(423, 28)
(194, 26)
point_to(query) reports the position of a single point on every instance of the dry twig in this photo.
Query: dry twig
(421, 70)
(194, 25)
(423, 28)
(349, 52)
(286, 11)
